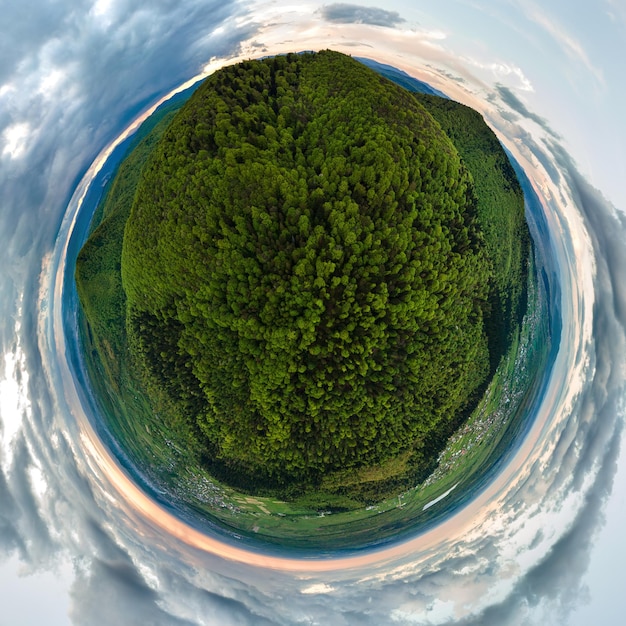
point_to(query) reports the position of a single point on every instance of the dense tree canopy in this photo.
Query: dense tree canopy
(303, 268)
(500, 211)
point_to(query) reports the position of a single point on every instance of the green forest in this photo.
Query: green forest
(317, 276)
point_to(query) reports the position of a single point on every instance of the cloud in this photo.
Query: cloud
(10, 539)
(572, 47)
(114, 593)
(555, 583)
(555, 586)
(512, 101)
(70, 79)
(103, 74)
(229, 602)
(503, 71)
(14, 138)
(344, 13)
(606, 225)
(30, 30)
(23, 521)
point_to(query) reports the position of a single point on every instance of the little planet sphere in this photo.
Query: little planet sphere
(303, 279)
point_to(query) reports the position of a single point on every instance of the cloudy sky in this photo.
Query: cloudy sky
(542, 545)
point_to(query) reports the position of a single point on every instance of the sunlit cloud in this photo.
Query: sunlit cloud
(317, 589)
(12, 401)
(504, 71)
(15, 139)
(103, 10)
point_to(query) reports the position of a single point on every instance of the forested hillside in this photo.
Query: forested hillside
(314, 277)
(303, 267)
(500, 213)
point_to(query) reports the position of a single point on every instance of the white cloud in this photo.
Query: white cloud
(51, 82)
(438, 612)
(6, 89)
(15, 138)
(437, 35)
(318, 588)
(504, 73)
(14, 402)
(102, 8)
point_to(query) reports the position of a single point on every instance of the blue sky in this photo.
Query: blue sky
(543, 544)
